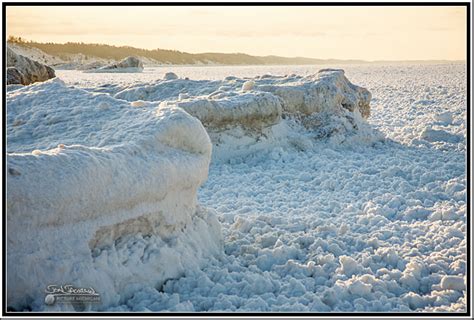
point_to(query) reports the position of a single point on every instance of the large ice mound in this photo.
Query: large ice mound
(101, 194)
(22, 70)
(328, 90)
(243, 113)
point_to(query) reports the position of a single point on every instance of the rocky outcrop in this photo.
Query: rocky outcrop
(22, 70)
(14, 76)
(129, 64)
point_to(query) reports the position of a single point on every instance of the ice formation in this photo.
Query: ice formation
(22, 70)
(219, 103)
(102, 194)
(242, 114)
(129, 64)
(116, 180)
(313, 221)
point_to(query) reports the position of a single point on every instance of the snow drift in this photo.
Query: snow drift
(129, 64)
(101, 194)
(22, 70)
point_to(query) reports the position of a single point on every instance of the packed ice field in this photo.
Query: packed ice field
(367, 221)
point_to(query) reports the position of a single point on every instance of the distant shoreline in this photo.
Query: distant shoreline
(380, 63)
(83, 53)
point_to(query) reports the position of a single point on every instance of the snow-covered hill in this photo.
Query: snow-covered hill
(35, 54)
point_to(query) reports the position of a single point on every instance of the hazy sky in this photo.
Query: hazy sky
(369, 33)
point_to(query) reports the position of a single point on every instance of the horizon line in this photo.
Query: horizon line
(26, 42)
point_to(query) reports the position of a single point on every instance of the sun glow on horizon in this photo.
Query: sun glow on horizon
(353, 32)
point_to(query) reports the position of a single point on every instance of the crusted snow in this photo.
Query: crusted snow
(102, 193)
(373, 220)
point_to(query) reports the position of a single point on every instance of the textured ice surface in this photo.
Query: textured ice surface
(397, 209)
(244, 116)
(352, 227)
(255, 103)
(102, 194)
(329, 223)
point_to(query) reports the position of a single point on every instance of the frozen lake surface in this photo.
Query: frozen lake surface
(362, 227)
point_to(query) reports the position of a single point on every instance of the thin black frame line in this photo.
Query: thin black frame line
(236, 314)
(468, 162)
(244, 4)
(4, 165)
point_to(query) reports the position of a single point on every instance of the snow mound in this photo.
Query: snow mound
(453, 283)
(129, 64)
(434, 135)
(248, 85)
(22, 70)
(328, 90)
(445, 118)
(268, 110)
(102, 194)
(170, 76)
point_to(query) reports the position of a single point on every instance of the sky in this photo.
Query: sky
(367, 33)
